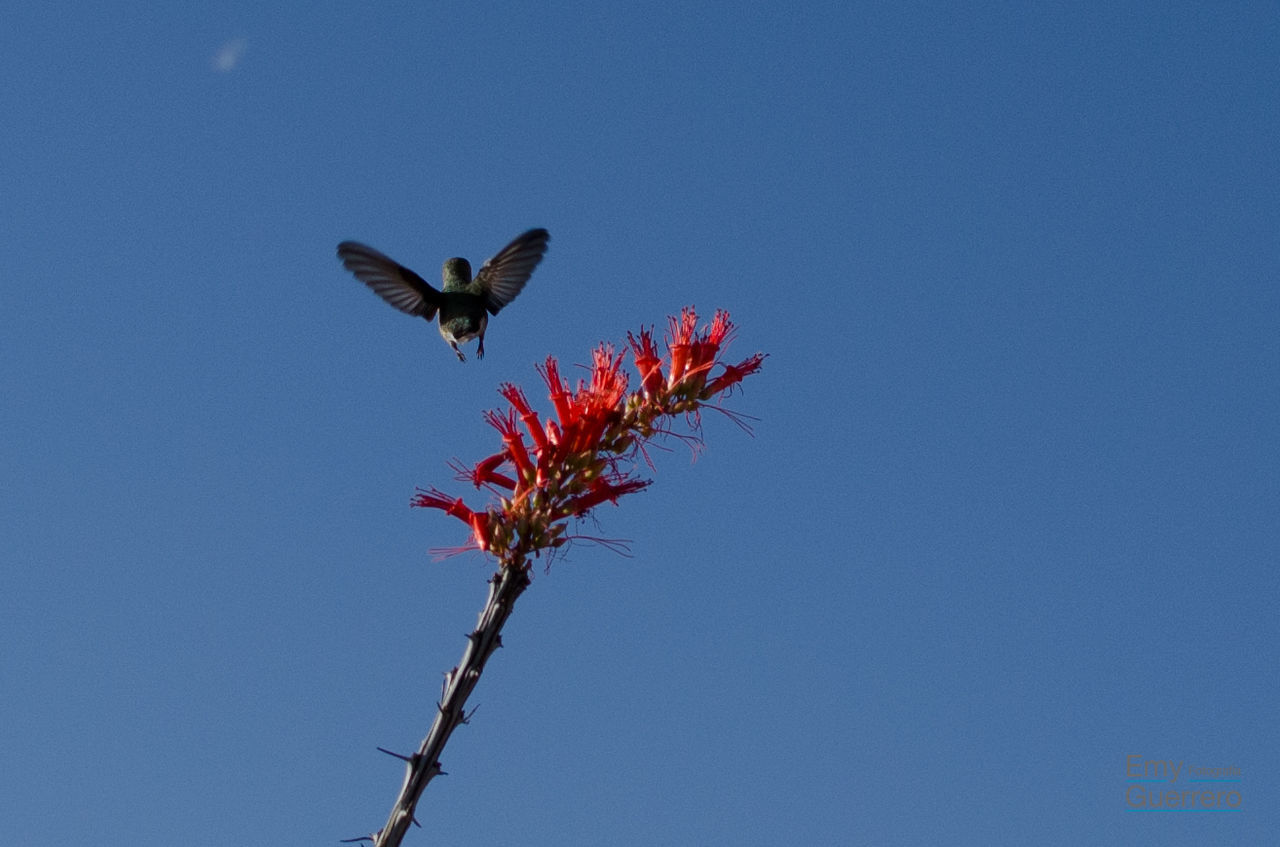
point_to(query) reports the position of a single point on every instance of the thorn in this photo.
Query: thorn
(354, 840)
(396, 755)
(466, 716)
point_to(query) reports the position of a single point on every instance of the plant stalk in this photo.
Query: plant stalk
(505, 586)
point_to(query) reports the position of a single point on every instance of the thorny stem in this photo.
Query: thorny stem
(505, 586)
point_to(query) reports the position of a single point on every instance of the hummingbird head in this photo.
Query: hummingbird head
(456, 272)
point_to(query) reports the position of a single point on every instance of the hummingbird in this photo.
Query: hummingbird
(463, 302)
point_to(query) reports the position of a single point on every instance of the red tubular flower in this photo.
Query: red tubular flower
(597, 402)
(486, 473)
(587, 452)
(561, 397)
(608, 382)
(506, 425)
(433, 498)
(680, 343)
(515, 396)
(705, 349)
(733, 374)
(554, 436)
(683, 327)
(600, 491)
(648, 362)
(480, 529)
(721, 329)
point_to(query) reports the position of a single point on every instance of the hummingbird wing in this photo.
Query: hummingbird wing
(390, 280)
(503, 277)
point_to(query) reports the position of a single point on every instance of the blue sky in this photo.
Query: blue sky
(1009, 514)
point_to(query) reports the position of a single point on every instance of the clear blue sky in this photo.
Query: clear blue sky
(1009, 514)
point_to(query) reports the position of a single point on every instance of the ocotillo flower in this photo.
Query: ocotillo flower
(588, 453)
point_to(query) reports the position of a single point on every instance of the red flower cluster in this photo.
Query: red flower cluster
(587, 453)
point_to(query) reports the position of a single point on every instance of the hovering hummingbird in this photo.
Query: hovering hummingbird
(463, 302)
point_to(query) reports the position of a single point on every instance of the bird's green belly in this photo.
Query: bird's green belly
(462, 325)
